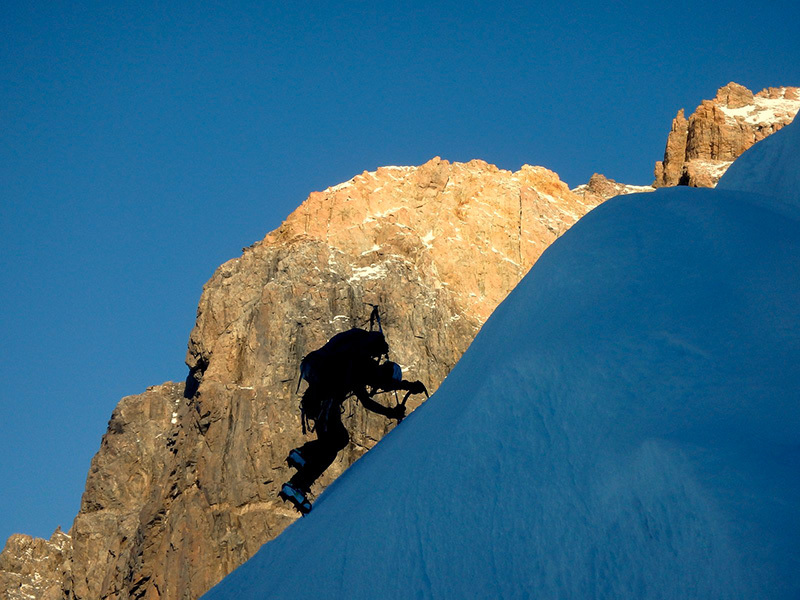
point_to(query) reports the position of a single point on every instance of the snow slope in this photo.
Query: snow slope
(625, 425)
(772, 166)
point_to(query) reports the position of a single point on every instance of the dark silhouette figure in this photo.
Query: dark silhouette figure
(348, 365)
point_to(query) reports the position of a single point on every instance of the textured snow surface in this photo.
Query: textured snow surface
(625, 425)
(770, 167)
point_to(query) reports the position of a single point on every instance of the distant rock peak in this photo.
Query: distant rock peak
(600, 188)
(701, 148)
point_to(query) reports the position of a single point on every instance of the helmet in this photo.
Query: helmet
(376, 344)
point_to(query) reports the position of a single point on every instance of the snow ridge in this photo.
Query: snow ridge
(771, 167)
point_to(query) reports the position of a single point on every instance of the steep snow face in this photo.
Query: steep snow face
(771, 167)
(625, 425)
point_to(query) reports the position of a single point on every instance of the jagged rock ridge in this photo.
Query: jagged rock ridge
(701, 148)
(183, 490)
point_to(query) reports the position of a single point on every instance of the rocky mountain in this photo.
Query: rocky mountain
(701, 148)
(183, 488)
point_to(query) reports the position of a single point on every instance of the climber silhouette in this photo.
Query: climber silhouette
(348, 365)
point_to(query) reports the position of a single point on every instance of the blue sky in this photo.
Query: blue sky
(143, 146)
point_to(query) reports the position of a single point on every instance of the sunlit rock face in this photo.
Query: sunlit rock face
(701, 148)
(183, 488)
(436, 246)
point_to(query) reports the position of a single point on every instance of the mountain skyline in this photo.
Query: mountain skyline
(144, 149)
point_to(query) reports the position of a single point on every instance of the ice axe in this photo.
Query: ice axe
(408, 393)
(375, 316)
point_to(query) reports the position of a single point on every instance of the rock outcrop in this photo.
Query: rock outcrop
(35, 568)
(183, 489)
(700, 149)
(600, 188)
(135, 455)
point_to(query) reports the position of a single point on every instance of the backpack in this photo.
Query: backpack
(329, 369)
(329, 363)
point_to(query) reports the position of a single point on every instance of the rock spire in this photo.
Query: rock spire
(700, 149)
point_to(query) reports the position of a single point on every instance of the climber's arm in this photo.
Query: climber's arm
(395, 412)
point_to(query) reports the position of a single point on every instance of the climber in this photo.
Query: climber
(348, 365)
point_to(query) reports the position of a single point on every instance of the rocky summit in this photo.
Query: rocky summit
(184, 486)
(701, 148)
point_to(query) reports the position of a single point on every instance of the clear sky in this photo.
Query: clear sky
(142, 146)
